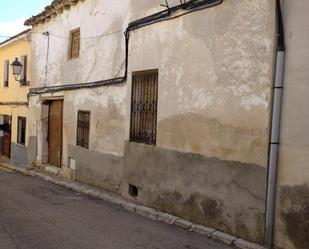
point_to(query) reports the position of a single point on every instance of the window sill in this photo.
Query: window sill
(21, 145)
(85, 148)
(73, 59)
(141, 143)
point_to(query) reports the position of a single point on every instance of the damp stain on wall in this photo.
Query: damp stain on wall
(294, 202)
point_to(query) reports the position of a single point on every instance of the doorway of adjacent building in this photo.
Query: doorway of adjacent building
(6, 145)
(55, 121)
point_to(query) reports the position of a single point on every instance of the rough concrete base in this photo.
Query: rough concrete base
(139, 209)
(226, 195)
(294, 213)
(19, 154)
(97, 169)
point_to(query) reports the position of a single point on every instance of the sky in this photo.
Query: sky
(13, 14)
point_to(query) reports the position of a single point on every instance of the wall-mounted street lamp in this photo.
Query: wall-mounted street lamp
(17, 67)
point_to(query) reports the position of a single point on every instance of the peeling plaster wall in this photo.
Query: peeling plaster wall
(215, 76)
(101, 164)
(100, 57)
(292, 215)
(215, 84)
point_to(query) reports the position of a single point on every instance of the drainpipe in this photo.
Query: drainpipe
(275, 132)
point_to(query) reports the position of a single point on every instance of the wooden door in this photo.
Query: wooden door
(55, 132)
(6, 146)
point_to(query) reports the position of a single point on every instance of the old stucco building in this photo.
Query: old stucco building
(172, 111)
(13, 98)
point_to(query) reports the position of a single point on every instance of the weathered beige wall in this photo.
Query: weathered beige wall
(292, 230)
(215, 76)
(215, 83)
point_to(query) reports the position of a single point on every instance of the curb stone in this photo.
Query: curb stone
(183, 223)
(242, 244)
(167, 218)
(223, 237)
(139, 209)
(202, 230)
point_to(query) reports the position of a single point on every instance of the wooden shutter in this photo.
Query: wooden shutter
(23, 74)
(75, 43)
(6, 73)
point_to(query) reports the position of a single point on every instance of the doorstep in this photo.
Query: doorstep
(51, 169)
(147, 212)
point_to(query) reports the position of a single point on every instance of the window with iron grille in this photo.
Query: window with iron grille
(75, 43)
(21, 130)
(83, 129)
(144, 107)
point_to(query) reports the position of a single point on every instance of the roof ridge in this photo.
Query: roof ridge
(15, 36)
(56, 7)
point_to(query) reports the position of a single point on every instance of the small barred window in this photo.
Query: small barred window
(83, 129)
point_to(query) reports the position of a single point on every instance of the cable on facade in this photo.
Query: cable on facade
(83, 38)
(165, 15)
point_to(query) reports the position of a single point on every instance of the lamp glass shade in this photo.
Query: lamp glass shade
(16, 67)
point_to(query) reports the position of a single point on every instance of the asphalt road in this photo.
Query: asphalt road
(35, 214)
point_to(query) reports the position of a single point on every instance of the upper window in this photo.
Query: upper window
(6, 73)
(74, 43)
(83, 129)
(144, 107)
(23, 73)
(21, 130)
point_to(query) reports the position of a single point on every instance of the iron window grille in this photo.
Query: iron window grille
(21, 130)
(83, 129)
(144, 101)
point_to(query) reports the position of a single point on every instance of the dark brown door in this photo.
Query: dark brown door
(55, 133)
(6, 147)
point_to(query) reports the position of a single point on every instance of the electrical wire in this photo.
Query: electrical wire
(165, 15)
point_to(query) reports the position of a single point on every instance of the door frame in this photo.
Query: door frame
(10, 136)
(49, 101)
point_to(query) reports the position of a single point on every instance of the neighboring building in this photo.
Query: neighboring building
(13, 98)
(292, 216)
(177, 113)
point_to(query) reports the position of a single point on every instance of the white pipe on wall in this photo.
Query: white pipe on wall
(274, 149)
(275, 133)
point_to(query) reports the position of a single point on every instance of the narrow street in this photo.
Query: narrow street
(35, 214)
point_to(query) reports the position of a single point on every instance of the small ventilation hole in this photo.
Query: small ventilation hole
(133, 190)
